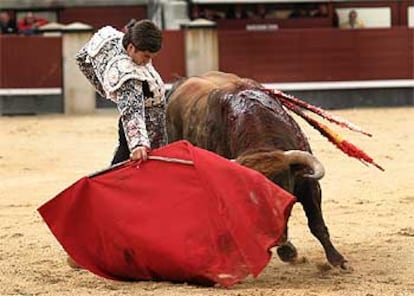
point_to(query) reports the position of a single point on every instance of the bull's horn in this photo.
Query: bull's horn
(306, 158)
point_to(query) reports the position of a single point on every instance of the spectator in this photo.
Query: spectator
(212, 14)
(7, 24)
(260, 12)
(299, 11)
(321, 11)
(197, 12)
(237, 12)
(353, 21)
(30, 24)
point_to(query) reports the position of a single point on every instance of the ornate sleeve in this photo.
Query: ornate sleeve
(87, 69)
(131, 105)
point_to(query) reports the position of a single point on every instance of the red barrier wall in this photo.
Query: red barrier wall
(277, 56)
(170, 61)
(36, 61)
(30, 62)
(318, 54)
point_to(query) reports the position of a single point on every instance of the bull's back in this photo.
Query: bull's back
(200, 86)
(187, 104)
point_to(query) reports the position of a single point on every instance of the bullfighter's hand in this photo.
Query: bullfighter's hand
(139, 153)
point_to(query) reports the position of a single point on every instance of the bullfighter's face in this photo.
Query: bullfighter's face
(140, 57)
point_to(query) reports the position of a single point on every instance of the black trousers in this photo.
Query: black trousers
(157, 132)
(122, 151)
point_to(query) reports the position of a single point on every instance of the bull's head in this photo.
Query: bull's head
(282, 167)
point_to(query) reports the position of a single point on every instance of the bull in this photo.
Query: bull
(236, 119)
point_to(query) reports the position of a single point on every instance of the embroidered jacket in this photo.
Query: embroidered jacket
(138, 90)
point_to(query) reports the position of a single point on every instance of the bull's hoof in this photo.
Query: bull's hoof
(287, 252)
(345, 266)
(338, 261)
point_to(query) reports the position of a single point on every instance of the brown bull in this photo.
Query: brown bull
(235, 118)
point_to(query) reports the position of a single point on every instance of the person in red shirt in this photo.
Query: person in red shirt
(30, 24)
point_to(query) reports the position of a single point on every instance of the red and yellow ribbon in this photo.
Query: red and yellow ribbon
(348, 148)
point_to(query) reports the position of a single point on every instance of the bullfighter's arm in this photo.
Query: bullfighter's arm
(131, 105)
(85, 65)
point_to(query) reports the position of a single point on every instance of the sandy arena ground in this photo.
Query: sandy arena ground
(370, 213)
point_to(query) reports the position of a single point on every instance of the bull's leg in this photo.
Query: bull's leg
(308, 193)
(286, 250)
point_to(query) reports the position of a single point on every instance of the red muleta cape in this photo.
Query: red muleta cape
(210, 222)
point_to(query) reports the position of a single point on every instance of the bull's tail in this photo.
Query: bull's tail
(295, 105)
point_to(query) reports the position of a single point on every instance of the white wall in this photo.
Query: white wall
(377, 17)
(411, 16)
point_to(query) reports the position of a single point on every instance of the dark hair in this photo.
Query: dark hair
(144, 35)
